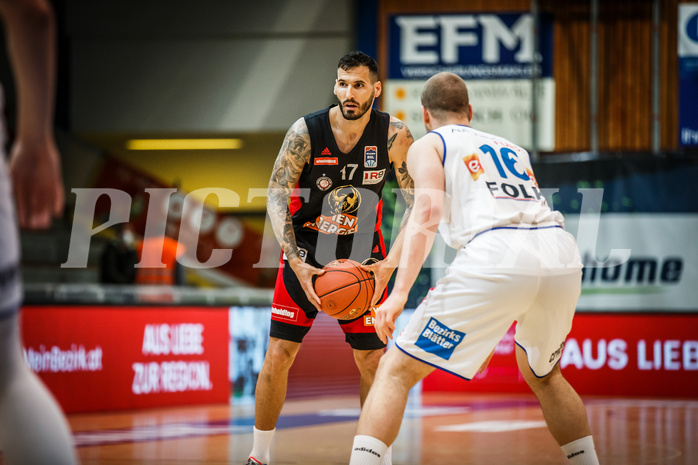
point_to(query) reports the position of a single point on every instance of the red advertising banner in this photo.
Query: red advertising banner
(109, 358)
(605, 354)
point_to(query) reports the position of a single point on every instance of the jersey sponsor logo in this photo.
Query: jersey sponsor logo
(373, 177)
(284, 314)
(326, 152)
(530, 175)
(326, 161)
(323, 183)
(340, 225)
(344, 199)
(302, 253)
(438, 339)
(472, 162)
(376, 249)
(370, 156)
(344, 202)
(369, 320)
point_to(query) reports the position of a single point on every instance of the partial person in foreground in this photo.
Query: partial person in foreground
(515, 262)
(325, 203)
(33, 430)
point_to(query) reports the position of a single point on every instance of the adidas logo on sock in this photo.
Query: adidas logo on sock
(366, 449)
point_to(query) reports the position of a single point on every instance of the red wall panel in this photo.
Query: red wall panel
(108, 358)
(605, 354)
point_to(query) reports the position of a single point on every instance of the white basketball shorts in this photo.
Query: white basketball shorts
(532, 277)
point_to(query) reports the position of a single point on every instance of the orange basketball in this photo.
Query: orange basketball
(345, 289)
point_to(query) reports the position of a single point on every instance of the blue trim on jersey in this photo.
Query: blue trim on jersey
(517, 200)
(443, 141)
(529, 364)
(511, 227)
(10, 311)
(430, 364)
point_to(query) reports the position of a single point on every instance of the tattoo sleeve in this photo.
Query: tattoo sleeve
(406, 184)
(397, 127)
(391, 139)
(400, 132)
(294, 154)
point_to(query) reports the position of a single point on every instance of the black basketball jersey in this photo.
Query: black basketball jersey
(337, 208)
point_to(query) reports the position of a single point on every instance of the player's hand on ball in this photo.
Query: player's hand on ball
(305, 274)
(386, 314)
(381, 272)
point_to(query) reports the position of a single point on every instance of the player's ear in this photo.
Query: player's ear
(470, 115)
(377, 89)
(334, 89)
(425, 115)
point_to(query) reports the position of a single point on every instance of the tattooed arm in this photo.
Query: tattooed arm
(399, 141)
(424, 162)
(292, 158)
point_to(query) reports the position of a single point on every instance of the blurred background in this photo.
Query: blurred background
(183, 106)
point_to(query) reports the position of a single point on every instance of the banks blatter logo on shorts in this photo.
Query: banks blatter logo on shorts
(438, 339)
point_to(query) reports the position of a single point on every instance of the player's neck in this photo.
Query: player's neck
(436, 124)
(347, 132)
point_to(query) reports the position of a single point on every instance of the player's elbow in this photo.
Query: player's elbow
(435, 215)
(427, 213)
(436, 210)
(37, 15)
(277, 207)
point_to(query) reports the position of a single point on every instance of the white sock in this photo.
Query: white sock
(367, 450)
(387, 457)
(581, 451)
(261, 445)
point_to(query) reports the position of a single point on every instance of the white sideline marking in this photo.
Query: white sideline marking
(492, 426)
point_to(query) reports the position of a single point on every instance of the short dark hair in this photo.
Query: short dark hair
(445, 93)
(355, 59)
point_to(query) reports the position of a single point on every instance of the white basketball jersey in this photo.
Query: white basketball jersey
(489, 184)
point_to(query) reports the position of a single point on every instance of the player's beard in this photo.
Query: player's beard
(358, 113)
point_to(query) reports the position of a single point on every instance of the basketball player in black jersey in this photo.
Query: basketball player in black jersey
(324, 203)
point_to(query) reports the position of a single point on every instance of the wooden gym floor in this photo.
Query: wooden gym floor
(437, 429)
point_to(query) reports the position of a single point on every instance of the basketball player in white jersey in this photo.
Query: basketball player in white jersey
(515, 262)
(33, 430)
